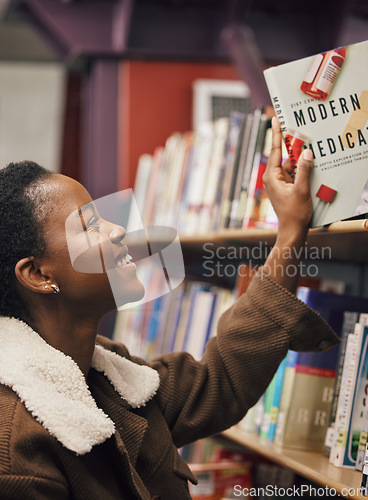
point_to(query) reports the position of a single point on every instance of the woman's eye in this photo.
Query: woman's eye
(93, 225)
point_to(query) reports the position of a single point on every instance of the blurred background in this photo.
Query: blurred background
(87, 86)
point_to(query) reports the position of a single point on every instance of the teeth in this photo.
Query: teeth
(128, 258)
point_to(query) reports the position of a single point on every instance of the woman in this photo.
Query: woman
(79, 418)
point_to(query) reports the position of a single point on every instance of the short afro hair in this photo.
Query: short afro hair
(20, 230)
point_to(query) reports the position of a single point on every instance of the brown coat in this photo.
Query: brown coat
(194, 400)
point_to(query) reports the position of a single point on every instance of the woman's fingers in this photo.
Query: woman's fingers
(303, 171)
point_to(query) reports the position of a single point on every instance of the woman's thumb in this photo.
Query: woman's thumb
(304, 169)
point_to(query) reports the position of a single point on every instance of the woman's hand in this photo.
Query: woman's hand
(292, 202)
(289, 194)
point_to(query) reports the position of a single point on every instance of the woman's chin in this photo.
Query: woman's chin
(126, 295)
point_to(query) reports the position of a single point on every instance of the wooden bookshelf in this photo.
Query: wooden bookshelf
(311, 465)
(348, 242)
(343, 241)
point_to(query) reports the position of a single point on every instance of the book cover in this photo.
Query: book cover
(322, 103)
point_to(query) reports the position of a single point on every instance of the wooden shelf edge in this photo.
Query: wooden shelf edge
(350, 226)
(331, 239)
(311, 465)
(347, 226)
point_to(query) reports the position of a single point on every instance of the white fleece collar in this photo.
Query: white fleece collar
(55, 392)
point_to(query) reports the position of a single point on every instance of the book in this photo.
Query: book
(217, 481)
(362, 446)
(266, 417)
(348, 418)
(229, 170)
(141, 183)
(200, 326)
(252, 146)
(276, 399)
(261, 208)
(153, 186)
(350, 318)
(256, 189)
(244, 169)
(321, 102)
(206, 217)
(202, 147)
(310, 377)
(359, 424)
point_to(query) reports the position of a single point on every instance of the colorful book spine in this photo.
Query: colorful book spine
(255, 187)
(259, 118)
(266, 417)
(237, 121)
(350, 319)
(276, 399)
(286, 396)
(344, 451)
(363, 319)
(304, 417)
(304, 414)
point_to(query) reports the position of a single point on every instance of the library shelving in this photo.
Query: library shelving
(311, 465)
(347, 242)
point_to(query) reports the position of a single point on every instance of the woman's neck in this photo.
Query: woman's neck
(74, 336)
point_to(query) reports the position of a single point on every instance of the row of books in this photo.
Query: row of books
(302, 400)
(183, 320)
(210, 179)
(317, 401)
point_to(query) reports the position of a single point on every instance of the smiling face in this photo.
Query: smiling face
(83, 250)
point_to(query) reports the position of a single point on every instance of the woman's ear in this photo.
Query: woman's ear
(29, 275)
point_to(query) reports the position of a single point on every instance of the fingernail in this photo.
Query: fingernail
(307, 154)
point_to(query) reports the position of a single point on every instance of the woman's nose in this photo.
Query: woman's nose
(117, 233)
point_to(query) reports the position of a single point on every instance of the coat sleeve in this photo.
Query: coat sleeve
(202, 398)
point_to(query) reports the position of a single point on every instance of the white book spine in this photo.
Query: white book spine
(345, 399)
